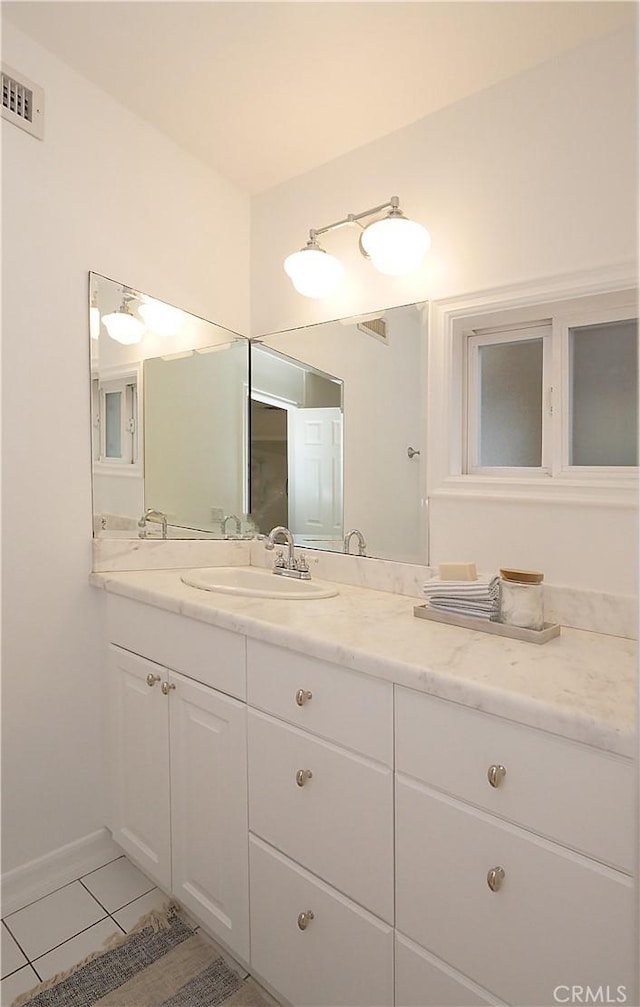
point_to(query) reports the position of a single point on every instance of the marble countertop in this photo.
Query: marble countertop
(581, 685)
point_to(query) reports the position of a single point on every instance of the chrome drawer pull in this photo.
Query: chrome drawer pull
(301, 778)
(152, 679)
(167, 687)
(304, 919)
(303, 696)
(495, 877)
(496, 774)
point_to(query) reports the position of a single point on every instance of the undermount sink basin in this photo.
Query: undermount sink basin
(256, 583)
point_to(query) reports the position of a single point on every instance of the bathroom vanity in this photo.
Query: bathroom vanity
(368, 809)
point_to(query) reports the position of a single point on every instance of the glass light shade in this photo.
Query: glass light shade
(94, 322)
(161, 318)
(123, 327)
(314, 273)
(395, 245)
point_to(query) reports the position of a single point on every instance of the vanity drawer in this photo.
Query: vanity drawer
(351, 709)
(343, 957)
(424, 981)
(556, 918)
(213, 656)
(562, 789)
(339, 823)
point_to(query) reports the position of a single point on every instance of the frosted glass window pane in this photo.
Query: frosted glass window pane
(604, 393)
(511, 404)
(113, 421)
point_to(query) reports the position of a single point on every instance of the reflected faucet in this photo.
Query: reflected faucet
(231, 517)
(362, 545)
(155, 516)
(290, 567)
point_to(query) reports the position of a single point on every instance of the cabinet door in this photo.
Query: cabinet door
(338, 824)
(309, 942)
(553, 918)
(424, 981)
(209, 809)
(138, 762)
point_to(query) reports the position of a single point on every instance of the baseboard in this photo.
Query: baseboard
(40, 877)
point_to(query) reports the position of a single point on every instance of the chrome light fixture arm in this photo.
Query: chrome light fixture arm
(354, 218)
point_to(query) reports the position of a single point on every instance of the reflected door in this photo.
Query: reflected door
(315, 473)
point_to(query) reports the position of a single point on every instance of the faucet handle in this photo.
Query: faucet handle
(279, 560)
(301, 563)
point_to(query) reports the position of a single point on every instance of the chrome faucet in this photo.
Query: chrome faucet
(362, 545)
(289, 567)
(231, 517)
(152, 515)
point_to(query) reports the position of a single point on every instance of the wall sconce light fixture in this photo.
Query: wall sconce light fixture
(394, 244)
(122, 325)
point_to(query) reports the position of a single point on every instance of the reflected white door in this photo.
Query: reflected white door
(315, 472)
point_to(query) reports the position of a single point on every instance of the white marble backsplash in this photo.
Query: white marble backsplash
(611, 614)
(111, 555)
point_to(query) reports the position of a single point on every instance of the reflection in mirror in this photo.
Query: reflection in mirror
(379, 361)
(169, 419)
(296, 449)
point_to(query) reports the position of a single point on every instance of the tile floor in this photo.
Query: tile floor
(55, 932)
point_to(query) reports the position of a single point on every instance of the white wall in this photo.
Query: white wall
(531, 178)
(103, 191)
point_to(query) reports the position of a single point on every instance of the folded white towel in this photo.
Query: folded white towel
(476, 609)
(481, 590)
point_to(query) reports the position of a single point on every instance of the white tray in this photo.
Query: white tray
(548, 632)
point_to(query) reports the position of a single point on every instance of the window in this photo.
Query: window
(506, 416)
(553, 397)
(533, 391)
(603, 387)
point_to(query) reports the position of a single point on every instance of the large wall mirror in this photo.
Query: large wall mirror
(169, 396)
(326, 435)
(338, 421)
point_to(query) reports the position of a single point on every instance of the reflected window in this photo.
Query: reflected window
(117, 421)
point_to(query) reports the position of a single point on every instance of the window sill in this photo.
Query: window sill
(561, 489)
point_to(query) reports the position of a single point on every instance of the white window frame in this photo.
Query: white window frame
(126, 379)
(526, 332)
(607, 292)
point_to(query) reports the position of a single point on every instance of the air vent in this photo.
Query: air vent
(376, 327)
(22, 102)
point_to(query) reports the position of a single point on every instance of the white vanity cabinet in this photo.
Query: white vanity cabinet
(178, 765)
(507, 897)
(321, 821)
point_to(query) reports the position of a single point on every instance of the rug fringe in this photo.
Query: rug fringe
(158, 919)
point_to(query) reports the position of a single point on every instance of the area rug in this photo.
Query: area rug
(162, 962)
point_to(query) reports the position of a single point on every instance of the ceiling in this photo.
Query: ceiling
(265, 91)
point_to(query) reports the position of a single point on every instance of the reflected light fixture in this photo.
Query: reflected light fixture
(394, 244)
(122, 325)
(161, 318)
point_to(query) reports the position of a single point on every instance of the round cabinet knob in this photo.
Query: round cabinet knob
(496, 774)
(304, 919)
(302, 776)
(167, 687)
(152, 679)
(303, 696)
(495, 877)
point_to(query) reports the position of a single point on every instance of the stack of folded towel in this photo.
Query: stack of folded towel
(477, 598)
